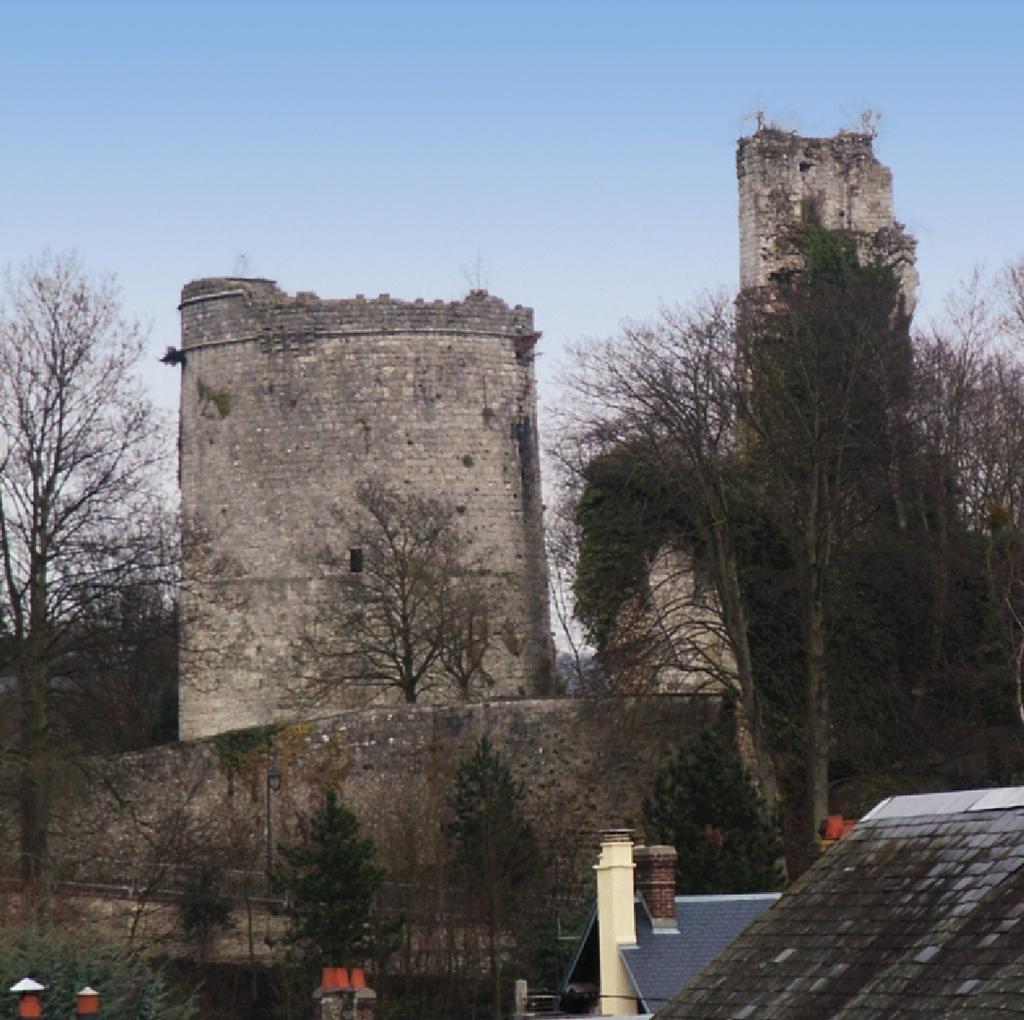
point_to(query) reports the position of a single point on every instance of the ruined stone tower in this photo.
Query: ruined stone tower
(288, 403)
(786, 180)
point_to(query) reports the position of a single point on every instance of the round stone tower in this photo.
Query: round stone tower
(288, 405)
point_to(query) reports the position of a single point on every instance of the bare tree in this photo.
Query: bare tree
(666, 395)
(671, 633)
(828, 366)
(468, 633)
(408, 612)
(577, 666)
(78, 447)
(119, 681)
(867, 122)
(970, 417)
(1013, 293)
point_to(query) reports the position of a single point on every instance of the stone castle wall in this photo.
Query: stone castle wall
(129, 838)
(785, 180)
(154, 817)
(288, 403)
(585, 763)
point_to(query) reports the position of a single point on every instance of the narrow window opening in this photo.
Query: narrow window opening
(355, 561)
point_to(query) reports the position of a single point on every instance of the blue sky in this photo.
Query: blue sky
(579, 154)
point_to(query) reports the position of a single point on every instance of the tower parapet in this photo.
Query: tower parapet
(288, 404)
(229, 308)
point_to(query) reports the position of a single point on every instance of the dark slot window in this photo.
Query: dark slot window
(355, 561)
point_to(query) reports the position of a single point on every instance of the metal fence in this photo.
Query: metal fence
(114, 877)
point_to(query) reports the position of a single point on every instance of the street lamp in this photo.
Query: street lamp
(273, 785)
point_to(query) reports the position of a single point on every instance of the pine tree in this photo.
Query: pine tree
(706, 807)
(205, 907)
(331, 881)
(66, 960)
(494, 850)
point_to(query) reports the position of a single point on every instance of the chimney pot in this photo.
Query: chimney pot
(88, 1002)
(338, 999)
(30, 1005)
(29, 1002)
(616, 836)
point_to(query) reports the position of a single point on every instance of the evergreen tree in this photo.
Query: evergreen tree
(205, 907)
(331, 881)
(494, 850)
(67, 960)
(706, 807)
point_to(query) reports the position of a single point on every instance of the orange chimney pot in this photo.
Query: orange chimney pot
(88, 1003)
(30, 1005)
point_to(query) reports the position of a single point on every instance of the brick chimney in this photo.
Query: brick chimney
(656, 883)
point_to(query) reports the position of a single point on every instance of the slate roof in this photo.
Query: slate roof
(919, 912)
(662, 961)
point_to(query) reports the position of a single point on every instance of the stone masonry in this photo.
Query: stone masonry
(785, 180)
(288, 403)
(585, 764)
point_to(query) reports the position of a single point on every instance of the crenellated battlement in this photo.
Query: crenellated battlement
(231, 309)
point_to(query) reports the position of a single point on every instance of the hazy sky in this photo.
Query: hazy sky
(578, 155)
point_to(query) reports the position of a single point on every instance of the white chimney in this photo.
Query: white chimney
(615, 920)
